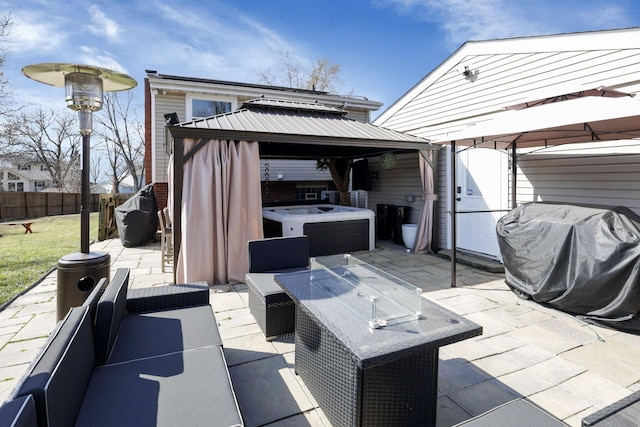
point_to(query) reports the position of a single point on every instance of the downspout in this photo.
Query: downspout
(454, 210)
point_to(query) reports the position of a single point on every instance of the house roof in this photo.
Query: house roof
(252, 90)
(287, 129)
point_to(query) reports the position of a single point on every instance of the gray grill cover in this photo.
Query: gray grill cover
(579, 259)
(137, 218)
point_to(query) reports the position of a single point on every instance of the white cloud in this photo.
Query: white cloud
(463, 20)
(34, 33)
(94, 56)
(102, 25)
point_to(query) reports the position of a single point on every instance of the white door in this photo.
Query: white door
(482, 186)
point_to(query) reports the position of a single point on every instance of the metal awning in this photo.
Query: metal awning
(288, 129)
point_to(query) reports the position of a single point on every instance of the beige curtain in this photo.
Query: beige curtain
(221, 211)
(340, 169)
(425, 225)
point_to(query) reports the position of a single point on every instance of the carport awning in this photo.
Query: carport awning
(578, 120)
(288, 129)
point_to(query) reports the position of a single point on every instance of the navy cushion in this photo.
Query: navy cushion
(180, 389)
(109, 314)
(92, 300)
(19, 412)
(278, 254)
(162, 332)
(42, 367)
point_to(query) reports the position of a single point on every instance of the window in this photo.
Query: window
(20, 186)
(39, 184)
(12, 177)
(201, 107)
(24, 167)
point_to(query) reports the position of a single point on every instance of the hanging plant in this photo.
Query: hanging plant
(387, 160)
(322, 164)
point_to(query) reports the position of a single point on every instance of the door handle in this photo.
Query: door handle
(458, 198)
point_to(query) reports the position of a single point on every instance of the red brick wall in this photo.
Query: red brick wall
(161, 191)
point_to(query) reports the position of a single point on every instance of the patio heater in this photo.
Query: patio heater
(84, 85)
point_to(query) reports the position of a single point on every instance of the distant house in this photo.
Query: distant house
(24, 177)
(190, 98)
(485, 79)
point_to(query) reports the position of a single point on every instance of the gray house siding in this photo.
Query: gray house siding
(164, 105)
(583, 178)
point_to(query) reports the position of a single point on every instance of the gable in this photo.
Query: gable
(513, 71)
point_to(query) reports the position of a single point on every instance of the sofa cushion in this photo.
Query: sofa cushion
(109, 314)
(180, 389)
(162, 332)
(92, 300)
(278, 254)
(57, 378)
(19, 412)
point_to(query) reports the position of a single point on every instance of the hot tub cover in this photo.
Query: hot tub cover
(137, 218)
(580, 259)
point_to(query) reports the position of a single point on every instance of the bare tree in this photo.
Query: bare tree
(5, 25)
(51, 137)
(322, 76)
(123, 134)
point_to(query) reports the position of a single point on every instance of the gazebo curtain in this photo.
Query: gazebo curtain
(221, 210)
(425, 225)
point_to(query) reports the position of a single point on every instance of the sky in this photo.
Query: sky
(384, 47)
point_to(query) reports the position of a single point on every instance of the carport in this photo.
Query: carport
(264, 128)
(588, 116)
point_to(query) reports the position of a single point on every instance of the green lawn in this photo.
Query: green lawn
(25, 258)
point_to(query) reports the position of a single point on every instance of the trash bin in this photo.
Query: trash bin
(400, 216)
(78, 274)
(384, 217)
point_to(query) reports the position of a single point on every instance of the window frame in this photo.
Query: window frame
(204, 97)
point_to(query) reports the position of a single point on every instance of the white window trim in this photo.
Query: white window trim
(207, 97)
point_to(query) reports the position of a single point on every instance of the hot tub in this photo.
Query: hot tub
(331, 229)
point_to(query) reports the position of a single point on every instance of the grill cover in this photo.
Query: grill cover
(137, 218)
(580, 259)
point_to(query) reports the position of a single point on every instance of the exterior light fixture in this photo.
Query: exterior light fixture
(84, 86)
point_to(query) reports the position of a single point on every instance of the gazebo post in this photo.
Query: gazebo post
(514, 176)
(178, 175)
(454, 209)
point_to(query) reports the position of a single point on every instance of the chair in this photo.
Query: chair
(166, 238)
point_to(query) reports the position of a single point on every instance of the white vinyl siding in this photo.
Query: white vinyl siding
(392, 185)
(583, 177)
(165, 104)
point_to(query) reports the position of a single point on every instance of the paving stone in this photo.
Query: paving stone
(310, 418)
(481, 397)
(478, 348)
(21, 352)
(247, 348)
(456, 374)
(616, 370)
(40, 326)
(541, 376)
(33, 298)
(234, 318)
(594, 389)
(40, 308)
(226, 301)
(513, 360)
(555, 341)
(239, 331)
(490, 325)
(267, 377)
(449, 413)
(559, 402)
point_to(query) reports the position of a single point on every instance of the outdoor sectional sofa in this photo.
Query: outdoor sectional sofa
(152, 357)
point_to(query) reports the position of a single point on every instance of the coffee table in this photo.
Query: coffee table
(366, 343)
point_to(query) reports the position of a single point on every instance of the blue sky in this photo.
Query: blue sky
(384, 46)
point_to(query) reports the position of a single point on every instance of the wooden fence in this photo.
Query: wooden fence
(24, 205)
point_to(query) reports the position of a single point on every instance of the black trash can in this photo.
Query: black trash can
(78, 274)
(384, 221)
(400, 216)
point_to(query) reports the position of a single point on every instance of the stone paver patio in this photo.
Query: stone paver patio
(526, 350)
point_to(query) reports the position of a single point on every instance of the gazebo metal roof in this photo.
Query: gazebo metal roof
(289, 129)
